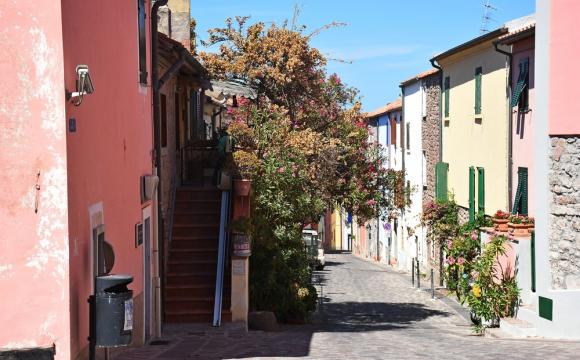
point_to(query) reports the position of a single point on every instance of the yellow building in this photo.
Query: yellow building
(474, 112)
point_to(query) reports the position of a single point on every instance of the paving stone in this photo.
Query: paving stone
(366, 311)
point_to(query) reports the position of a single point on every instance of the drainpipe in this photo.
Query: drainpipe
(157, 156)
(510, 122)
(436, 66)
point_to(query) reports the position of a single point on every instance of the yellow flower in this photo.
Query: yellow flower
(476, 291)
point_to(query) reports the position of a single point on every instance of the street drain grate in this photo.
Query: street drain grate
(159, 342)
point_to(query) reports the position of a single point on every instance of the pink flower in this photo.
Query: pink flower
(449, 244)
(371, 202)
(475, 275)
(474, 236)
(450, 260)
(461, 261)
(281, 169)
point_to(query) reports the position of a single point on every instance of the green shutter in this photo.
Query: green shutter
(478, 72)
(447, 85)
(521, 199)
(471, 193)
(441, 170)
(480, 190)
(522, 81)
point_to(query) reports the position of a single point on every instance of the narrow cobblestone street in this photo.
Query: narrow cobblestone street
(366, 312)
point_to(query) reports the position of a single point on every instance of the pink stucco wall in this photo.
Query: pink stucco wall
(564, 77)
(34, 269)
(523, 124)
(110, 149)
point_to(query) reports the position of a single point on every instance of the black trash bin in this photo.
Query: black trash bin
(114, 311)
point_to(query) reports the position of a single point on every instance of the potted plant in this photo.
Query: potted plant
(516, 226)
(501, 220)
(245, 164)
(530, 222)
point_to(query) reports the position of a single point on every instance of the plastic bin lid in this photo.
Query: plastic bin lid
(108, 281)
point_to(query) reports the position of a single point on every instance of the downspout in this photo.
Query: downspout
(157, 158)
(510, 122)
(436, 66)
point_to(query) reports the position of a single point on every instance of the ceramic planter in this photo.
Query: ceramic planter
(242, 187)
(518, 229)
(501, 225)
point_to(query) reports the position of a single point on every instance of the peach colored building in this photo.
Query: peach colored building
(70, 165)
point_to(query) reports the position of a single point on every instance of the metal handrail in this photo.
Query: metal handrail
(196, 155)
(224, 215)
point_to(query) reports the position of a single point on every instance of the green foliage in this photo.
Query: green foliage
(494, 292)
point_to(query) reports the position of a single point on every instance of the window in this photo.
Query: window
(163, 120)
(402, 137)
(446, 87)
(478, 72)
(408, 136)
(393, 129)
(520, 95)
(142, 41)
(521, 199)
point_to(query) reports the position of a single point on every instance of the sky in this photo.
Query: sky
(383, 43)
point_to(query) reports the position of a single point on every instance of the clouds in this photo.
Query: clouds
(370, 52)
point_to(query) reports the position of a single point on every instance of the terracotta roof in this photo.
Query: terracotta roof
(518, 34)
(394, 105)
(420, 76)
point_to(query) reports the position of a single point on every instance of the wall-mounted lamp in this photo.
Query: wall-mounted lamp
(84, 85)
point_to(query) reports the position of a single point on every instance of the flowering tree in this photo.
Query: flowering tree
(310, 142)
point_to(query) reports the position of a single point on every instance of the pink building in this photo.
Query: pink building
(549, 265)
(72, 166)
(522, 116)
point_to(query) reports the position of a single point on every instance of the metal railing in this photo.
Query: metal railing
(195, 158)
(222, 257)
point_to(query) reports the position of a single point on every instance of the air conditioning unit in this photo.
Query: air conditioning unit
(148, 187)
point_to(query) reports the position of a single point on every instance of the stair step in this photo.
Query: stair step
(199, 303)
(196, 278)
(175, 266)
(196, 205)
(207, 229)
(195, 317)
(190, 242)
(197, 194)
(517, 328)
(186, 218)
(192, 254)
(172, 291)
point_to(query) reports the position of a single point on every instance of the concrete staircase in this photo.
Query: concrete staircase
(191, 265)
(522, 326)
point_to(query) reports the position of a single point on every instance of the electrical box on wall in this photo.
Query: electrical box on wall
(148, 187)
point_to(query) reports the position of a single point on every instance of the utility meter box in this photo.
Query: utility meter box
(114, 310)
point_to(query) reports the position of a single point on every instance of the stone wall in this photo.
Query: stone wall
(564, 212)
(430, 133)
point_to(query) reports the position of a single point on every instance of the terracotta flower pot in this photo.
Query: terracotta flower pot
(530, 228)
(501, 224)
(518, 229)
(242, 187)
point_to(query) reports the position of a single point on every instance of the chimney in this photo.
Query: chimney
(178, 21)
